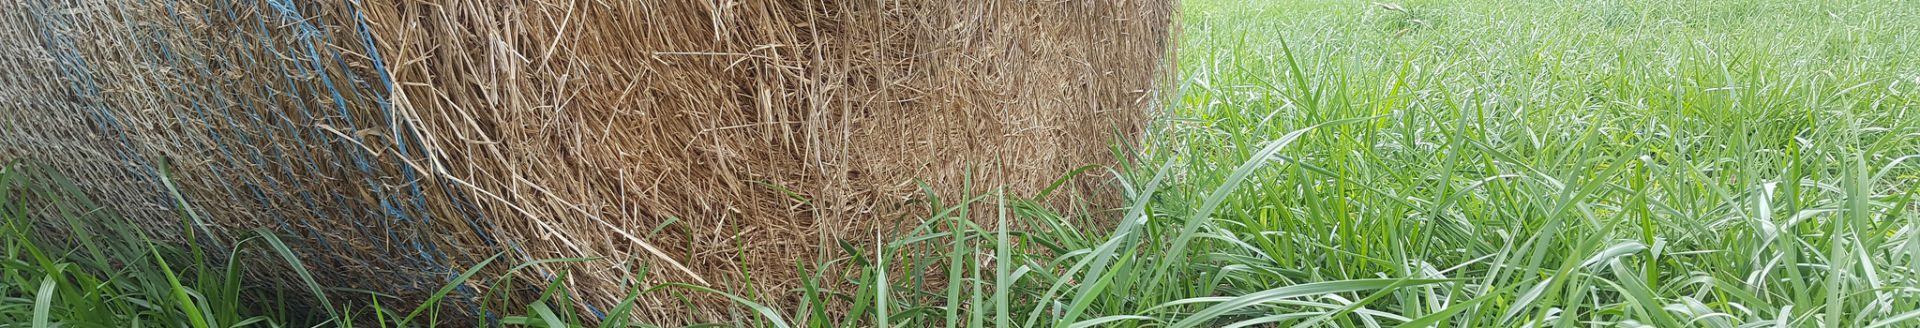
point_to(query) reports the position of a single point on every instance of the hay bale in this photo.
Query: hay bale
(408, 140)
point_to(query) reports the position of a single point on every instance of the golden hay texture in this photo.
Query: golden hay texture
(679, 141)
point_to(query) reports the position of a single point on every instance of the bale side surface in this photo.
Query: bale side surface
(261, 114)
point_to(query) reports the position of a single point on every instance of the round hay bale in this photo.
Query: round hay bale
(400, 142)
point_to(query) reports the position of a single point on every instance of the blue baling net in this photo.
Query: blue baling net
(269, 114)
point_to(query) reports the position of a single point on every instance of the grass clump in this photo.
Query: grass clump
(98, 272)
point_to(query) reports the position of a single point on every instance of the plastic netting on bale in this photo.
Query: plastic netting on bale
(269, 115)
(399, 142)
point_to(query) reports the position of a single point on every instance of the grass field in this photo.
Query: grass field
(1711, 163)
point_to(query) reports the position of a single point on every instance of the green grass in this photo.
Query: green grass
(1689, 163)
(97, 273)
(1712, 163)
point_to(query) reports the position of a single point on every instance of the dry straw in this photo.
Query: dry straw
(402, 141)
